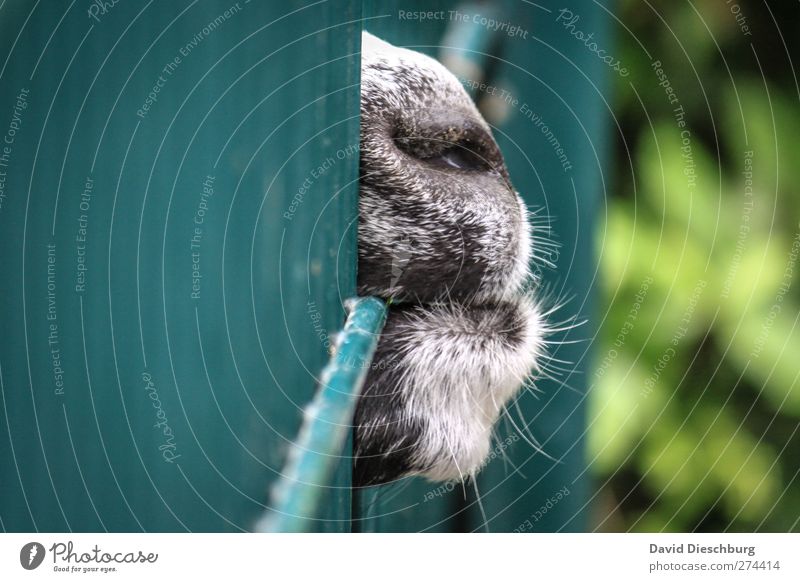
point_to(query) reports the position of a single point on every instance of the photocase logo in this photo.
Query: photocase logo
(31, 555)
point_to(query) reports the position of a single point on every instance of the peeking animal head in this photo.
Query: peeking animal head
(445, 236)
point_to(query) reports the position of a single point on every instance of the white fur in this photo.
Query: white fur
(464, 382)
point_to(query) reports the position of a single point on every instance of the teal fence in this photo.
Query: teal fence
(178, 211)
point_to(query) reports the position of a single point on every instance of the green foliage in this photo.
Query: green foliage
(695, 405)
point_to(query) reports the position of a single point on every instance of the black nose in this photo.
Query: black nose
(458, 155)
(448, 139)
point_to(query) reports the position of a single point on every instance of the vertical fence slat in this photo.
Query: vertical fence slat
(176, 168)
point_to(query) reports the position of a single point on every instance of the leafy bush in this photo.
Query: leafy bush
(696, 406)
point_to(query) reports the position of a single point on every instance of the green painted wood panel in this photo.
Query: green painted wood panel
(176, 239)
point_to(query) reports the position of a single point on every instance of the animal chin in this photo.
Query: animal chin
(439, 380)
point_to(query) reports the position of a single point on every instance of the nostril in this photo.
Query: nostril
(460, 155)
